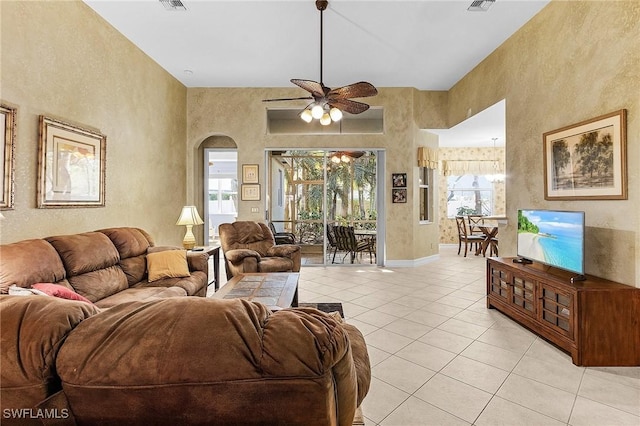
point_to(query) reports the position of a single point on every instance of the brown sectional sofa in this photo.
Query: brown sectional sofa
(162, 360)
(108, 266)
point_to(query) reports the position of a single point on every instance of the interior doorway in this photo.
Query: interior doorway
(313, 191)
(220, 190)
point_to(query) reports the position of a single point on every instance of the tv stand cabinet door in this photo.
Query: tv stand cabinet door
(498, 282)
(557, 310)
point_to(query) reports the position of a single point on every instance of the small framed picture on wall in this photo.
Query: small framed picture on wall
(250, 173)
(399, 180)
(250, 192)
(399, 195)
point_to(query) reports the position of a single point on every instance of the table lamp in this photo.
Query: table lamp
(189, 217)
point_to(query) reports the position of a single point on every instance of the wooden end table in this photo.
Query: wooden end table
(214, 253)
(277, 290)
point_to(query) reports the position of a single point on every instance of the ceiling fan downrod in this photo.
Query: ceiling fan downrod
(321, 5)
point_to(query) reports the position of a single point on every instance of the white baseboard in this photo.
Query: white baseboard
(411, 263)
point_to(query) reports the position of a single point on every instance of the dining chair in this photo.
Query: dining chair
(282, 237)
(346, 241)
(474, 221)
(465, 237)
(331, 242)
(493, 247)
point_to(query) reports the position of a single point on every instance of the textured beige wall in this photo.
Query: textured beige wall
(573, 61)
(448, 227)
(239, 114)
(428, 232)
(60, 59)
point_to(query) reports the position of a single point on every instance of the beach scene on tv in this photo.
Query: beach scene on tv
(552, 237)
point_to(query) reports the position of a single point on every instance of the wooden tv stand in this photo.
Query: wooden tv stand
(596, 321)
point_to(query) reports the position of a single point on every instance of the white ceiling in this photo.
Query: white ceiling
(425, 44)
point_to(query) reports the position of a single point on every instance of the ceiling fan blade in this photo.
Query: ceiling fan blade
(287, 99)
(313, 87)
(361, 89)
(347, 105)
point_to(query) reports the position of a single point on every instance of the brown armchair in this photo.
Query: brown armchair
(250, 247)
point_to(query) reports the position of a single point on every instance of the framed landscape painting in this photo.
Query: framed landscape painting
(71, 166)
(587, 160)
(8, 124)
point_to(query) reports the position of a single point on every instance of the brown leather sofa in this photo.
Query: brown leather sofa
(183, 360)
(250, 247)
(108, 266)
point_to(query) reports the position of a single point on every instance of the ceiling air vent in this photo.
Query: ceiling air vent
(173, 5)
(480, 5)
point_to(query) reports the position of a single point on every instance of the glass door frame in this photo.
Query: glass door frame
(379, 193)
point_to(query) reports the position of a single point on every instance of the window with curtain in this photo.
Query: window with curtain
(470, 186)
(469, 194)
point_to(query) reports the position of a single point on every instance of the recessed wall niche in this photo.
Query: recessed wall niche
(284, 121)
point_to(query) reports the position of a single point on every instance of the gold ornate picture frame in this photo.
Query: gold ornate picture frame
(7, 165)
(587, 160)
(71, 166)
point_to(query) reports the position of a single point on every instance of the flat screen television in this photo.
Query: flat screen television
(552, 237)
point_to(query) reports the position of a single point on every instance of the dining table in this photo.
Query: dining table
(489, 232)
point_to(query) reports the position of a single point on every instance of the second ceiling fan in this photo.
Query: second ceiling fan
(328, 104)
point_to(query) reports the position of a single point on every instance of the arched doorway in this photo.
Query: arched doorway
(217, 183)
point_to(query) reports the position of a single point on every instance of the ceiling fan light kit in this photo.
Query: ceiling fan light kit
(328, 104)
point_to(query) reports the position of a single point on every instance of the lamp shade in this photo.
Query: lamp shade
(306, 116)
(317, 112)
(189, 216)
(325, 120)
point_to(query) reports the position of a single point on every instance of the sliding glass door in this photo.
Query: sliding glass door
(311, 191)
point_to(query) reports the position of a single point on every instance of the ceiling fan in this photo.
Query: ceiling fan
(328, 104)
(345, 156)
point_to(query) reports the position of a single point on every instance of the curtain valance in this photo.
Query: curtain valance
(471, 167)
(427, 157)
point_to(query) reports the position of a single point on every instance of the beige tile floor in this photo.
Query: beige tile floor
(440, 357)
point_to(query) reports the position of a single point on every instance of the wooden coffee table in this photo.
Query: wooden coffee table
(277, 290)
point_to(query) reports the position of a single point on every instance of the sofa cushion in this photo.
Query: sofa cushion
(194, 284)
(275, 264)
(28, 262)
(132, 244)
(142, 294)
(31, 331)
(91, 261)
(247, 235)
(62, 292)
(203, 359)
(167, 264)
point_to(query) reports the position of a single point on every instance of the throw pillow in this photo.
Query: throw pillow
(167, 264)
(14, 290)
(57, 290)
